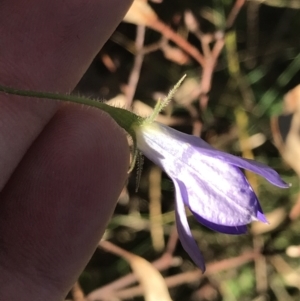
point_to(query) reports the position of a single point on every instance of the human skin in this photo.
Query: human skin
(62, 166)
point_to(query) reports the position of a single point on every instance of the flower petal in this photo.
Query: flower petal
(170, 138)
(260, 215)
(184, 232)
(261, 169)
(215, 190)
(236, 230)
(198, 212)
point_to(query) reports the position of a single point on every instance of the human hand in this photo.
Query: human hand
(62, 166)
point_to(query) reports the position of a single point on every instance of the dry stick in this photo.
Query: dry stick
(210, 63)
(192, 276)
(107, 291)
(252, 33)
(153, 47)
(161, 264)
(295, 211)
(260, 267)
(172, 242)
(112, 248)
(137, 66)
(211, 58)
(77, 292)
(213, 55)
(234, 12)
(156, 222)
(168, 33)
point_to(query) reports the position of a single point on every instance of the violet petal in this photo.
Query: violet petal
(237, 229)
(215, 190)
(261, 169)
(184, 231)
(170, 135)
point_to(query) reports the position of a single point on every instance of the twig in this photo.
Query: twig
(192, 276)
(252, 32)
(211, 56)
(234, 12)
(137, 66)
(164, 262)
(260, 266)
(172, 242)
(168, 33)
(156, 227)
(77, 292)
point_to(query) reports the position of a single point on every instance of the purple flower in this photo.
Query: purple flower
(208, 181)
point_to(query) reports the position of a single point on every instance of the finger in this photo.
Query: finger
(48, 45)
(56, 205)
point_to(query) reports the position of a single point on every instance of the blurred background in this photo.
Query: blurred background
(241, 95)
